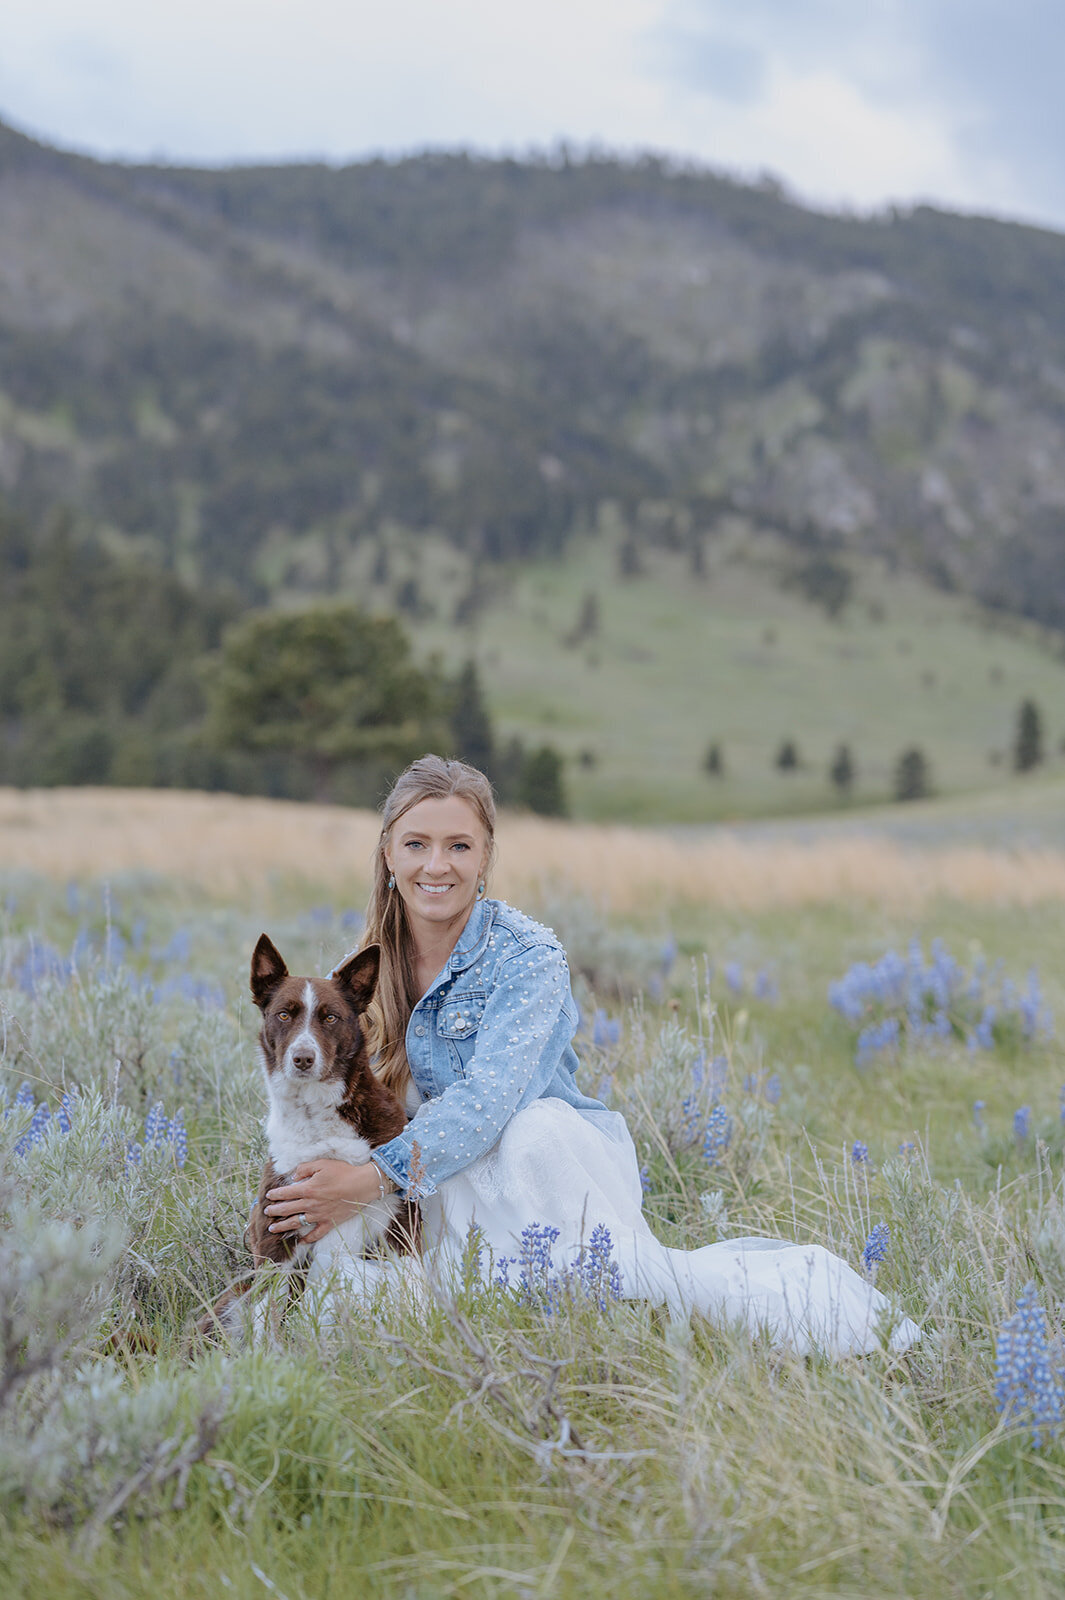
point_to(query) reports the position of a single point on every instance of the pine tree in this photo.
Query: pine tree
(471, 727)
(787, 757)
(841, 771)
(587, 623)
(541, 787)
(630, 562)
(1028, 739)
(714, 762)
(507, 770)
(912, 777)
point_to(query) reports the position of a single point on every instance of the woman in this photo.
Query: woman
(474, 1020)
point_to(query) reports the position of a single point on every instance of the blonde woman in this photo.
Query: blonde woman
(473, 1025)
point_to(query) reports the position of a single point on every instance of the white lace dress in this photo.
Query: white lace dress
(572, 1171)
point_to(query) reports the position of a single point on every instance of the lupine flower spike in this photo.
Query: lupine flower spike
(718, 1135)
(876, 1247)
(1029, 1381)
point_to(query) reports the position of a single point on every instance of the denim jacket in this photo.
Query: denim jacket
(492, 1033)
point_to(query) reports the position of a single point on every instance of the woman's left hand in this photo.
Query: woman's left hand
(325, 1192)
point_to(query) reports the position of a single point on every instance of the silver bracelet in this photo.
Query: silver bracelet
(382, 1192)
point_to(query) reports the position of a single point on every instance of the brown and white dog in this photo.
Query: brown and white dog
(324, 1104)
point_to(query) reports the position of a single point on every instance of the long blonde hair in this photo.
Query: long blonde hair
(428, 778)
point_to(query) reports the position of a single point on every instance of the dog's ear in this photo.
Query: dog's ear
(357, 975)
(267, 970)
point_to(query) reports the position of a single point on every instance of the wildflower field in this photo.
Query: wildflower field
(871, 1064)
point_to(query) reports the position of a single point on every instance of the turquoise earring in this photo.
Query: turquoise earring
(391, 880)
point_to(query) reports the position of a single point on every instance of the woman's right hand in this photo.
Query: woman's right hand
(325, 1192)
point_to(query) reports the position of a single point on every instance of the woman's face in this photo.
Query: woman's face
(438, 851)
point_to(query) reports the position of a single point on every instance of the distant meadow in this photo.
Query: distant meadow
(849, 1035)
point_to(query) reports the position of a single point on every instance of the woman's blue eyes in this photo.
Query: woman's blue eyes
(419, 844)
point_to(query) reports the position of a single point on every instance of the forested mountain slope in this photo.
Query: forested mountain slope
(253, 374)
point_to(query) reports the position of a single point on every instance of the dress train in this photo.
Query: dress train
(572, 1171)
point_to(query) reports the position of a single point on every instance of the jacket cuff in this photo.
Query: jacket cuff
(403, 1164)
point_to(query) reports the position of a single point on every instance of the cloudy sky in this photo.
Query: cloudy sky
(850, 102)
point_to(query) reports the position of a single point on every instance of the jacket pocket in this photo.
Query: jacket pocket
(460, 1015)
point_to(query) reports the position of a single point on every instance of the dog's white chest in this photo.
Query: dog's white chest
(302, 1125)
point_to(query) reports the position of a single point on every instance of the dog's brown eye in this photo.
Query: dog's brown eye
(329, 1017)
(283, 1016)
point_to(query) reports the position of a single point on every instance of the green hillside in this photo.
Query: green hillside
(251, 374)
(676, 663)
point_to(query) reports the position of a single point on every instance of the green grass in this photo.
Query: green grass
(733, 658)
(373, 1458)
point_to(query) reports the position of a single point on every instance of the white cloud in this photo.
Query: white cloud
(834, 146)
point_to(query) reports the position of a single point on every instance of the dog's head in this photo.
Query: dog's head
(311, 1028)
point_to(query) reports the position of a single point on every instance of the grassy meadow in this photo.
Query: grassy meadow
(733, 657)
(481, 1447)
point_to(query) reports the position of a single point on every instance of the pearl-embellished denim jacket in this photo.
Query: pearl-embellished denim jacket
(492, 1033)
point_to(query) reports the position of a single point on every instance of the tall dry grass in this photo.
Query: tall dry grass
(229, 843)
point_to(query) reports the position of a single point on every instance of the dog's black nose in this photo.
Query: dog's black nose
(303, 1060)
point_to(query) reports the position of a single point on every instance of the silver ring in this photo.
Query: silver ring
(305, 1226)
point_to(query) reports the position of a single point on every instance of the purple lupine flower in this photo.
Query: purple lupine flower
(1029, 1384)
(537, 1284)
(983, 1032)
(177, 950)
(36, 1132)
(41, 964)
(81, 949)
(878, 1036)
(64, 1120)
(979, 1107)
(766, 1086)
(179, 1138)
(717, 1076)
(934, 1002)
(733, 976)
(860, 1153)
(645, 1179)
(1036, 1020)
(606, 1030)
(765, 985)
(876, 1246)
(598, 1274)
(718, 1135)
(1022, 1122)
(114, 948)
(156, 1127)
